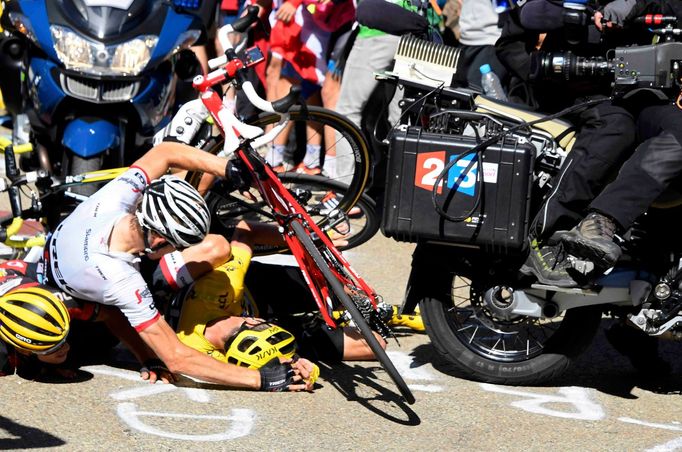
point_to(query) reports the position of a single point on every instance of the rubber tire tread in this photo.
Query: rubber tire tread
(80, 165)
(357, 317)
(574, 335)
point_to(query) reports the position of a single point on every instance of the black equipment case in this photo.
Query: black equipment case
(499, 222)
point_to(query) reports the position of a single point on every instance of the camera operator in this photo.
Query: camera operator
(655, 164)
(532, 36)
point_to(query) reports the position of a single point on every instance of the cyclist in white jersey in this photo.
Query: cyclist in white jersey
(94, 255)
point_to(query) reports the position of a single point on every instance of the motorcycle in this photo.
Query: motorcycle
(466, 176)
(90, 82)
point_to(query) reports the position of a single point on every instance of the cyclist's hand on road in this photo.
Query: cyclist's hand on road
(155, 370)
(285, 12)
(308, 373)
(296, 374)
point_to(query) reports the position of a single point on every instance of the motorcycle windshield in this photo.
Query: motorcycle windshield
(112, 20)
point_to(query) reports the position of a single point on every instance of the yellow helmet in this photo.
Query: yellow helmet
(255, 346)
(33, 319)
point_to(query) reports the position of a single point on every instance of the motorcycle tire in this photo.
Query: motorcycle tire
(480, 347)
(80, 165)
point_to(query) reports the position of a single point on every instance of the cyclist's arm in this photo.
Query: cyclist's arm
(185, 360)
(248, 234)
(117, 323)
(156, 162)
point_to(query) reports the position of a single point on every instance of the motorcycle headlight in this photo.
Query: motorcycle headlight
(74, 51)
(132, 56)
(80, 54)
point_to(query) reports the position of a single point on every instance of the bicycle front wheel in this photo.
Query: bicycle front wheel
(335, 282)
(343, 150)
(356, 223)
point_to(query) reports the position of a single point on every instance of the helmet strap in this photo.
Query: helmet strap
(148, 249)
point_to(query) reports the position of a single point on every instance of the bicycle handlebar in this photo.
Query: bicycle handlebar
(243, 23)
(285, 103)
(218, 64)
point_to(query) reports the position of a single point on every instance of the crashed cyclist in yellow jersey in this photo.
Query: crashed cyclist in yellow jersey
(217, 309)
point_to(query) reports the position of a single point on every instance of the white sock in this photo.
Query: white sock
(312, 155)
(330, 166)
(275, 155)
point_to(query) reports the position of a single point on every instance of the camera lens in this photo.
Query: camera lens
(566, 66)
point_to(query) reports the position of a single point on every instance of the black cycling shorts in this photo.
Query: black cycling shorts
(283, 297)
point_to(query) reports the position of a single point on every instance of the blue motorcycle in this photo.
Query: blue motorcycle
(96, 78)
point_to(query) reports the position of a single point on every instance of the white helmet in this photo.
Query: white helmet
(175, 210)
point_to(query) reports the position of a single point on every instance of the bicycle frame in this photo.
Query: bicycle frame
(241, 139)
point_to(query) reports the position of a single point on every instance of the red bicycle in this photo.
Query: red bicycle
(333, 283)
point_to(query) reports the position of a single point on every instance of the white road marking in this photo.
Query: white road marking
(578, 398)
(630, 420)
(104, 370)
(194, 394)
(198, 395)
(240, 423)
(426, 388)
(136, 393)
(406, 367)
(670, 446)
(404, 363)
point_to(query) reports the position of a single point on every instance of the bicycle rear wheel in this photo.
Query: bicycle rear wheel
(339, 284)
(357, 224)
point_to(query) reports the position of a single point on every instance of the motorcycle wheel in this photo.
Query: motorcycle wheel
(518, 351)
(80, 165)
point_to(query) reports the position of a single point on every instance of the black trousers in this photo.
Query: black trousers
(604, 141)
(655, 164)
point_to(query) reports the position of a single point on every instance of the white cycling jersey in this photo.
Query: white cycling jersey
(81, 262)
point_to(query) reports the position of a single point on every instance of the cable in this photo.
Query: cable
(478, 152)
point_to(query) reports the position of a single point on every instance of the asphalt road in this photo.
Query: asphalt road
(598, 405)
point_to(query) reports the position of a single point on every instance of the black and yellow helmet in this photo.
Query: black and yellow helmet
(33, 319)
(255, 346)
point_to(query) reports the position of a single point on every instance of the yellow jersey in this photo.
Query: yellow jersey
(216, 295)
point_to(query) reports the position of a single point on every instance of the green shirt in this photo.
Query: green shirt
(433, 18)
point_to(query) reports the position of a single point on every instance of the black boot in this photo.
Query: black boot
(548, 265)
(592, 239)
